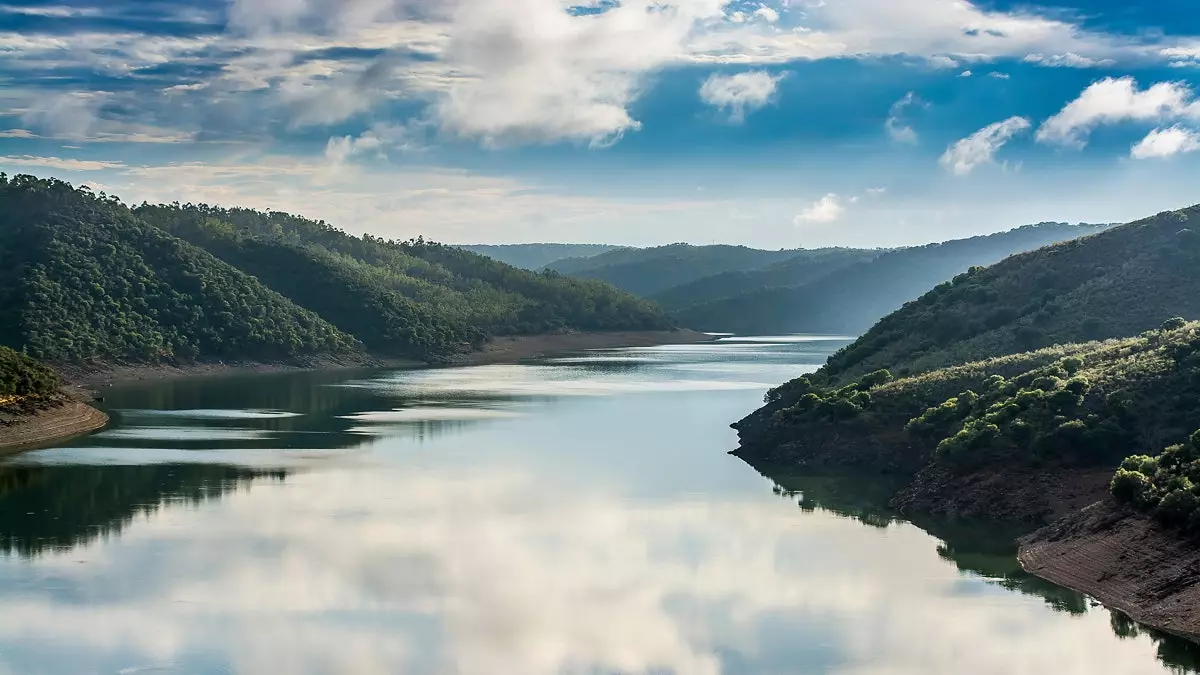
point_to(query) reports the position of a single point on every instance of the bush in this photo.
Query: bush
(1174, 323)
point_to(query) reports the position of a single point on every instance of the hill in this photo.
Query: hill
(535, 256)
(802, 268)
(850, 298)
(412, 298)
(82, 279)
(647, 271)
(1117, 283)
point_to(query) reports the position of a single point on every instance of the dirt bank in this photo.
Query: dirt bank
(512, 349)
(60, 421)
(90, 378)
(1124, 560)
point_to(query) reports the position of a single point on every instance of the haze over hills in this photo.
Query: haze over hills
(647, 271)
(850, 298)
(535, 256)
(84, 277)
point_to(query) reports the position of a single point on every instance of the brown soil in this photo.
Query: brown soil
(1000, 494)
(55, 422)
(512, 349)
(1125, 561)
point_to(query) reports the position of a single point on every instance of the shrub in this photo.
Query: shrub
(1174, 323)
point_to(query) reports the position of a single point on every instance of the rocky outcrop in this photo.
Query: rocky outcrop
(1126, 561)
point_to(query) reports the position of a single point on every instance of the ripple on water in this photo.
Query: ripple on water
(212, 414)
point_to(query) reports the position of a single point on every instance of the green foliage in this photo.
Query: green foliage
(23, 376)
(852, 297)
(1167, 486)
(1120, 282)
(81, 278)
(536, 256)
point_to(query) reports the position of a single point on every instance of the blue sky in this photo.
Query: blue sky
(776, 123)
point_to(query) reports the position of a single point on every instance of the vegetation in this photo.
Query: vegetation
(649, 271)
(1168, 486)
(850, 298)
(1121, 282)
(83, 277)
(21, 376)
(536, 256)
(802, 268)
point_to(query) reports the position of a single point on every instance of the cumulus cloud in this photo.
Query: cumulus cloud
(1111, 101)
(827, 209)
(965, 73)
(980, 147)
(740, 93)
(767, 13)
(1166, 142)
(896, 128)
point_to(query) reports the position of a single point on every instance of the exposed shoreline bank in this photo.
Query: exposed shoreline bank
(499, 350)
(1126, 561)
(49, 425)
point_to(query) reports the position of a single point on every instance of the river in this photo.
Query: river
(574, 515)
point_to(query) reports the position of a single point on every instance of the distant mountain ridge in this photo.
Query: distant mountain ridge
(535, 256)
(850, 298)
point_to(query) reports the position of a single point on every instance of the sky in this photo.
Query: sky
(776, 123)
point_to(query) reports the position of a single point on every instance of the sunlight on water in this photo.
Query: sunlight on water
(574, 516)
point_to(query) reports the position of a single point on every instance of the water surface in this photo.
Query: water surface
(577, 515)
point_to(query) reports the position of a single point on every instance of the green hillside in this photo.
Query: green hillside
(1117, 283)
(81, 278)
(1076, 407)
(535, 256)
(802, 268)
(648, 271)
(22, 376)
(411, 298)
(851, 298)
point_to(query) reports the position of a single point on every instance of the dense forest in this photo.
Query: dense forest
(535, 256)
(649, 271)
(84, 278)
(1114, 284)
(850, 298)
(21, 376)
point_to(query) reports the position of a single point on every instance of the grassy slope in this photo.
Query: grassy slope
(1120, 282)
(849, 300)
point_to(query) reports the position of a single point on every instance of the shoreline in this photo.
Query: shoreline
(85, 381)
(1124, 560)
(67, 420)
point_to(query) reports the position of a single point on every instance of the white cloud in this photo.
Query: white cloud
(980, 147)
(767, 13)
(17, 133)
(896, 128)
(965, 73)
(740, 93)
(1068, 60)
(1166, 142)
(875, 192)
(59, 163)
(999, 76)
(827, 209)
(1111, 101)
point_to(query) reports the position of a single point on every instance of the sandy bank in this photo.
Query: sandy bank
(1124, 560)
(42, 427)
(500, 350)
(512, 349)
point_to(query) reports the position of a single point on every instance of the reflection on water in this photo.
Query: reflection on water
(574, 515)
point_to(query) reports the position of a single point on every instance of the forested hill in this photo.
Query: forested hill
(803, 267)
(535, 256)
(1116, 283)
(82, 278)
(851, 298)
(647, 271)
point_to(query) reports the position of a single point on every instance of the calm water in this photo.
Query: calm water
(576, 515)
